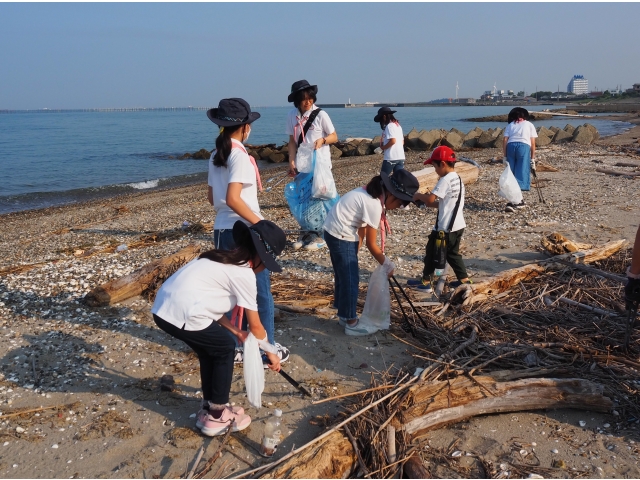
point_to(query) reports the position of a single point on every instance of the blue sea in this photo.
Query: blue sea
(51, 158)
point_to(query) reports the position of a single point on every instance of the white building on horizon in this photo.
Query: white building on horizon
(578, 85)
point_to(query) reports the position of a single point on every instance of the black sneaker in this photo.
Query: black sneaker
(238, 356)
(283, 355)
(520, 205)
(510, 208)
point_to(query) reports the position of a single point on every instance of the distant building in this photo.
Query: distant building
(578, 85)
(636, 88)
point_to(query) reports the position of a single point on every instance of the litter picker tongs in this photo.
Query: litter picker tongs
(407, 327)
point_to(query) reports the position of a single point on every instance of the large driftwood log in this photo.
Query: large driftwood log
(428, 176)
(558, 244)
(137, 282)
(437, 404)
(502, 282)
(332, 458)
(620, 173)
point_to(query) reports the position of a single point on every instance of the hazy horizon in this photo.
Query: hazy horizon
(154, 55)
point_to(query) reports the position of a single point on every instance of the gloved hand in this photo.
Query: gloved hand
(388, 266)
(632, 290)
(504, 161)
(533, 164)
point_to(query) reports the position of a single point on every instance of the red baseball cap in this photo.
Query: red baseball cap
(442, 154)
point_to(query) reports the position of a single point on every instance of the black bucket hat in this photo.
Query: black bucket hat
(232, 112)
(512, 113)
(301, 85)
(381, 112)
(401, 184)
(267, 237)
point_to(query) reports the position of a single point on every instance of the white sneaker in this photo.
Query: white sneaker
(359, 329)
(302, 240)
(315, 243)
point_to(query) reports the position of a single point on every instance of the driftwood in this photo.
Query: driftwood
(332, 458)
(428, 176)
(436, 404)
(137, 282)
(621, 173)
(548, 301)
(627, 164)
(544, 167)
(414, 468)
(505, 280)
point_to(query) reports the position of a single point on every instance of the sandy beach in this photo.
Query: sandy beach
(91, 374)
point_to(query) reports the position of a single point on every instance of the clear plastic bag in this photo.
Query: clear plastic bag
(377, 305)
(309, 212)
(323, 184)
(304, 157)
(253, 371)
(509, 187)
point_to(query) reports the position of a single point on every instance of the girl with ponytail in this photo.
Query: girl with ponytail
(354, 219)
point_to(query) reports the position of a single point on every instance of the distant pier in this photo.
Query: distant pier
(107, 110)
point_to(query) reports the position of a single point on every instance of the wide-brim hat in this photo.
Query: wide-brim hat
(381, 112)
(267, 237)
(401, 184)
(442, 154)
(301, 85)
(232, 112)
(523, 110)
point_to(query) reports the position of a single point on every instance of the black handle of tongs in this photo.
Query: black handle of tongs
(293, 382)
(415, 310)
(632, 307)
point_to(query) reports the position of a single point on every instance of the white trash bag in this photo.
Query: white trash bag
(509, 187)
(377, 305)
(304, 157)
(324, 186)
(253, 371)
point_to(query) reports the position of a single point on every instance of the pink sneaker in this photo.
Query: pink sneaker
(201, 416)
(218, 426)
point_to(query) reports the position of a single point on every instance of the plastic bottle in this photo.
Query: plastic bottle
(272, 434)
(438, 272)
(121, 248)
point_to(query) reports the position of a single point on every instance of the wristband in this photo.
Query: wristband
(266, 346)
(635, 276)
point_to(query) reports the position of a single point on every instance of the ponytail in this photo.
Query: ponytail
(223, 146)
(375, 187)
(388, 118)
(239, 256)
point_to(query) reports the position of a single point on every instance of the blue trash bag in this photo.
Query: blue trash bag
(309, 212)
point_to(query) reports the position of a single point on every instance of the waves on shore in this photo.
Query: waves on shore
(38, 200)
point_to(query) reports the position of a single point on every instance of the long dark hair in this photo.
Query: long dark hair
(223, 146)
(387, 118)
(375, 187)
(300, 94)
(239, 256)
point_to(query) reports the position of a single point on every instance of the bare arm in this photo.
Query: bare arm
(255, 327)
(235, 203)
(328, 140)
(371, 239)
(429, 199)
(293, 149)
(504, 146)
(210, 195)
(533, 147)
(389, 144)
(635, 259)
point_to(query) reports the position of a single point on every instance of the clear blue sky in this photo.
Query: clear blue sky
(85, 55)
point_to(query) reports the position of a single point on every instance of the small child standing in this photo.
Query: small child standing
(448, 198)
(519, 149)
(392, 141)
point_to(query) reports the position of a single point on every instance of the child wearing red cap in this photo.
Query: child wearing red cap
(448, 198)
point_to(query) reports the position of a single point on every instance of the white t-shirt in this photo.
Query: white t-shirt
(202, 291)
(396, 152)
(320, 127)
(239, 169)
(447, 190)
(354, 210)
(520, 132)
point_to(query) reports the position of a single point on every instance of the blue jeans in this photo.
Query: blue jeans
(389, 166)
(344, 259)
(519, 158)
(223, 240)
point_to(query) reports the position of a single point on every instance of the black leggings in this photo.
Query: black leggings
(215, 349)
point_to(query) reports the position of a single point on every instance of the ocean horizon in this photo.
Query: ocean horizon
(71, 156)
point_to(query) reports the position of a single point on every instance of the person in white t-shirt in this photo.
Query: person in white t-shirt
(233, 191)
(354, 219)
(448, 192)
(321, 133)
(392, 142)
(519, 148)
(191, 306)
